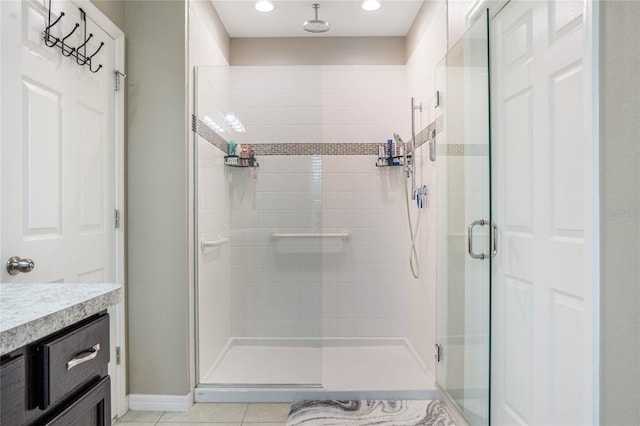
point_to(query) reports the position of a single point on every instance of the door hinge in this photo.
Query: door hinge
(437, 349)
(118, 355)
(118, 74)
(117, 218)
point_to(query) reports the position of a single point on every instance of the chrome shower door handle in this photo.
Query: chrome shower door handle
(494, 239)
(474, 255)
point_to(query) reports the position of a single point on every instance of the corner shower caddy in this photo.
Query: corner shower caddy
(235, 161)
(80, 52)
(381, 161)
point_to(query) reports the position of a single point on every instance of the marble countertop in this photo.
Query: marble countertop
(29, 312)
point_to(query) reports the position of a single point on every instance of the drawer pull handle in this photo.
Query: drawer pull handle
(83, 357)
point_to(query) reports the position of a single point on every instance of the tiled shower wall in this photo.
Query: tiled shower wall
(276, 285)
(366, 285)
(361, 287)
(213, 212)
(328, 104)
(332, 287)
(421, 81)
(353, 288)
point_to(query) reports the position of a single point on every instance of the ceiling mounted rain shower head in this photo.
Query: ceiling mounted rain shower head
(316, 25)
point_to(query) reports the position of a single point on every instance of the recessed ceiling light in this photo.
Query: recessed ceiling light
(264, 5)
(370, 5)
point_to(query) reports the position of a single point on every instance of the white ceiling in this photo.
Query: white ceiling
(241, 19)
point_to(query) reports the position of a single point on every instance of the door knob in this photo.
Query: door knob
(16, 265)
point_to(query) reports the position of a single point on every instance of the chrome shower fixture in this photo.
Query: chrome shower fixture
(316, 25)
(422, 190)
(405, 160)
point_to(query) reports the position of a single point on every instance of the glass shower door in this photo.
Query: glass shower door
(464, 225)
(259, 227)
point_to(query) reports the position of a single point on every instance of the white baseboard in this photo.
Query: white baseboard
(179, 403)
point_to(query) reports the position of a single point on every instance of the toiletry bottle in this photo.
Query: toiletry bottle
(232, 147)
(390, 148)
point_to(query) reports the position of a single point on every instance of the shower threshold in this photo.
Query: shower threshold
(280, 370)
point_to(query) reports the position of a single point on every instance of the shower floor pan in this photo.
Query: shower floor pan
(279, 370)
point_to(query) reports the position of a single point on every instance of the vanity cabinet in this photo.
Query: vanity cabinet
(12, 390)
(61, 379)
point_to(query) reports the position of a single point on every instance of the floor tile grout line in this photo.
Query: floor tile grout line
(246, 409)
(160, 418)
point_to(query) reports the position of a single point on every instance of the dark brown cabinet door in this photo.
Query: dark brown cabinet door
(93, 409)
(12, 391)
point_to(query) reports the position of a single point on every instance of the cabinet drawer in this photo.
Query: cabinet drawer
(73, 359)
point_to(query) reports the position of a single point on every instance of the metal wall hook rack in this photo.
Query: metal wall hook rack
(79, 52)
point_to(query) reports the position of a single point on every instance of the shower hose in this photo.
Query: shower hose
(414, 262)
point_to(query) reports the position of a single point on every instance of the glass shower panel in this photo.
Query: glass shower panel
(464, 224)
(259, 226)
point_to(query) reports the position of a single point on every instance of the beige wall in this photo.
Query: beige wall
(620, 212)
(158, 290)
(113, 9)
(318, 51)
(216, 40)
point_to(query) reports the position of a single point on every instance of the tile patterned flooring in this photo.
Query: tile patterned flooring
(212, 414)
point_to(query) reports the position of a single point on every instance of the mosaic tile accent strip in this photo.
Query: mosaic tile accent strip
(425, 135)
(208, 134)
(264, 149)
(462, 150)
(362, 413)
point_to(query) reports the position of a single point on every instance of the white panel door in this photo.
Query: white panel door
(58, 150)
(542, 199)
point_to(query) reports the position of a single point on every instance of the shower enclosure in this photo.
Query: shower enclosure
(303, 281)
(466, 241)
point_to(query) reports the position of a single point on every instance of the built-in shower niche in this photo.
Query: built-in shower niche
(316, 290)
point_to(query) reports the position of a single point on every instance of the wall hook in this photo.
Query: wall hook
(66, 48)
(80, 62)
(96, 70)
(47, 31)
(94, 54)
(81, 56)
